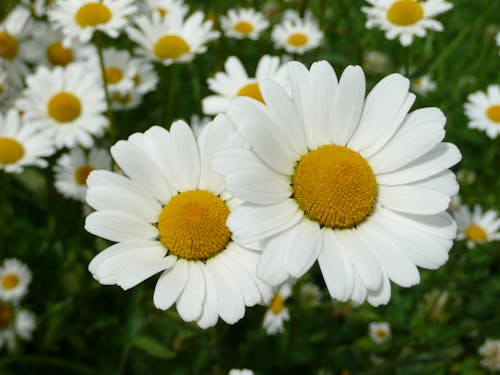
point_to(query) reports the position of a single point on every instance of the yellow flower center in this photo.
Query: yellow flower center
(82, 173)
(381, 333)
(277, 304)
(122, 98)
(163, 11)
(92, 14)
(298, 39)
(137, 79)
(10, 281)
(5, 315)
(475, 233)
(334, 186)
(8, 45)
(493, 112)
(252, 90)
(113, 75)
(193, 226)
(59, 55)
(64, 107)
(11, 151)
(405, 12)
(243, 27)
(171, 47)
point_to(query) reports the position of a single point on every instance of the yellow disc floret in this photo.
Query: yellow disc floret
(64, 107)
(193, 226)
(334, 186)
(92, 14)
(10, 281)
(277, 304)
(11, 151)
(8, 45)
(475, 233)
(298, 39)
(113, 75)
(405, 12)
(252, 90)
(82, 173)
(5, 315)
(59, 55)
(243, 27)
(171, 47)
(493, 113)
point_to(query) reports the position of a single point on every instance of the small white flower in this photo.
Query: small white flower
(235, 82)
(67, 103)
(21, 144)
(164, 7)
(244, 371)
(243, 23)
(277, 313)
(172, 39)
(79, 19)
(483, 111)
(424, 85)
(477, 227)
(14, 323)
(490, 350)
(73, 168)
(296, 34)
(375, 61)
(380, 332)
(15, 278)
(309, 294)
(405, 19)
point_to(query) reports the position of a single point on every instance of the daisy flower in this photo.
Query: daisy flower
(309, 294)
(243, 23)
(235, 82)
(483, 110)
(330, 176)
(296, 34)
(121, 69)
(73, 168)
(14, 31)
(47, 48)
(21, 145)
(244, 371)
(15, 277)
(165, 7)
(38, 7)
(79, 19)
(405, 19)
(477, 227)
(277, 313)
(172, 39)
(67, 103)
(380, 332)
(490, 350)
(169, 215)
(14, 323)
(375, 62)
(424, 85)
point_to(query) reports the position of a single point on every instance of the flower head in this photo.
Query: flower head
(296, 34)
(243, 23)
(490, 350)
(477, 227)
(277, 313)
(380, 332)
(483, 111)
(15, 278)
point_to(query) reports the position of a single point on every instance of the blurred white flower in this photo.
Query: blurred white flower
(483, 110)
(309, 294)
(243, 23)
(277, 313)
(164, 7)
(466, 176)
(244, 371)
(375, 61)
(477, 227)
(296, 34)
(423, 85)
(490, 350)
(380, 332)
(15, 278)
(15, 323)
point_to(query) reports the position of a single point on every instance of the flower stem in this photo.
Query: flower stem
(406, 61)
(170, 79)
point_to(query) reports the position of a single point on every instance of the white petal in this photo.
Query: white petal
(444, 182)
(190, 302)
(171, 284)
(210, 312)
(271, 267)
(413, 199)
(382, 295)
(359, 291)
(143, 268)
(440, 225)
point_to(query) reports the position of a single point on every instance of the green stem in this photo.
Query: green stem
(4, 181)
(406, 61)
(111, 129)
(170, 90)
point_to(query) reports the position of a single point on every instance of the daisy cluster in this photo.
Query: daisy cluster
(290, 175)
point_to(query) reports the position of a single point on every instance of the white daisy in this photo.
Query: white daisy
(405, 19)
(380, 332)
(235, 82)
(172, 39)
(14, 31)
(146, 78)
(483, 110)
(296, 34)
(309, 294)
(165, 7)
(277, 313)
(424, 85)
(244, 371)
(359, 184)
(15, 278)
(38, 7)
(73, 168)
(375, 62)
(21, 145)
(79, 19)
(14, 323)
(490, 350)
(67, 103)
(243, 23)
(477, 227)
(169, 215)
(46, 48)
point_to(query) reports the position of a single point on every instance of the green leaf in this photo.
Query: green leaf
(153, 347)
